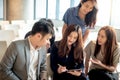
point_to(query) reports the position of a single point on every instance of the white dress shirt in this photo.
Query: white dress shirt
(33, 62)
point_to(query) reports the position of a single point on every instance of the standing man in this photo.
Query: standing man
(26, 59)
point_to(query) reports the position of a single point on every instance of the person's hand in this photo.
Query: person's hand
(48, 45)
(95, 61)
(75, 72)
(61, 69)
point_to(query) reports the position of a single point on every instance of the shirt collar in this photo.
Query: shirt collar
(31, 46)
(76, 11)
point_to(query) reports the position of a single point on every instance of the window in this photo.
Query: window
(108, 13)
(115, 13)
(51, 9)
(64, 5)
(76, 2)
(103, 16)
(40, 9)
(1, 9)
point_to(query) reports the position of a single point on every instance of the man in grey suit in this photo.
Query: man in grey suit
(26, 59)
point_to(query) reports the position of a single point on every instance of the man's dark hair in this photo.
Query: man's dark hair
(27, 34)
(42, 27)
(48, 20)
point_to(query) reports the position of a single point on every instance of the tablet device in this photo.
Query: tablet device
(75, 70)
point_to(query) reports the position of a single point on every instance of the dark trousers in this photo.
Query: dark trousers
(99, 74)
(67, 76)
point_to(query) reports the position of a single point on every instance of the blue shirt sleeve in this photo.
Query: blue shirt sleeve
(65, 17)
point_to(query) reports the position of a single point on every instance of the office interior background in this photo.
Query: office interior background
(108, 13)
(23, 10)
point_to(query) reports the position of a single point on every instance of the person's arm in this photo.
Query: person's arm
(86, 65)
(64, 28)
(54, 58)
(7, 63)
(89, 49)
(66, 19)
(116, 55)
(98, 62)
(75, 72)
(43, 65)
(85, 36)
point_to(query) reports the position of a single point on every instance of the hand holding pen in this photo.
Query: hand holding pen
(61, 69)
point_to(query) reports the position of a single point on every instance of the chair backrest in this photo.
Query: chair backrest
(22, 31)
(118, 34)
(7, 35)
(118, 66)
(13, 27)
(49, 71)
(2, 23)
(31, 21)
(3, 47)
(17, 22)
(57, 23)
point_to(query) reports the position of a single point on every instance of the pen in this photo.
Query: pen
(62, 68)
(59, 65)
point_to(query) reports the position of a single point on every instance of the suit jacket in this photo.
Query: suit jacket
(15, 63)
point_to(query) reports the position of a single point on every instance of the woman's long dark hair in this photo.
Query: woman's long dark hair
(90, 18)
(78, 45)
(110, 45)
